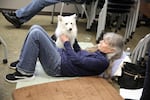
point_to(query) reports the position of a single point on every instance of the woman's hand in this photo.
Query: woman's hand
(64, 38)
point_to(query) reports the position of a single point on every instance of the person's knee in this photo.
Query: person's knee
(35, 26)
(35, 30)
(39, 1)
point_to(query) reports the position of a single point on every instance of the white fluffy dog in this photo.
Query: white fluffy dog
(66, 25)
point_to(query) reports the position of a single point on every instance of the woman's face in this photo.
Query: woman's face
(105, 47)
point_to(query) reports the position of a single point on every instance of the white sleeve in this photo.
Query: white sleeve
(118, 64)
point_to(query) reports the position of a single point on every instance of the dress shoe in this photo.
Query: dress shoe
(12, 18)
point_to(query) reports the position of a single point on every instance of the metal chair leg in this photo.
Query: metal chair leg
(5, 50)
(52, 21)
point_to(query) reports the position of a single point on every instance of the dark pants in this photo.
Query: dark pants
(146, 88)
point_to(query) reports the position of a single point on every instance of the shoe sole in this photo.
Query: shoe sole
(14, 68)
(13, 65)
(20, 80)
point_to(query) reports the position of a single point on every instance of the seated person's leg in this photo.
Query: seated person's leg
(24, 14)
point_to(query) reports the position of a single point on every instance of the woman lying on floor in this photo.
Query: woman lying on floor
(66, 62)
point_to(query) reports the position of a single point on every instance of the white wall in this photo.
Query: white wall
(16, 4)
(13, 4)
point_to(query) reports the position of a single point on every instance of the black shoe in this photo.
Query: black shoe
(14, 64)
(10, 12)
(12, 18)
(18, 77)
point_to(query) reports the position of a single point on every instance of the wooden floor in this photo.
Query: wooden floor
(85, 88)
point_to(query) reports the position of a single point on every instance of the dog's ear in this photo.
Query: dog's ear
(60, 18)
(74, 16)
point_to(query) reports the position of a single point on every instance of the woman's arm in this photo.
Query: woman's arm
(90, 63)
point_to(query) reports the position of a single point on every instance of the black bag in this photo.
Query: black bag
(132, 76)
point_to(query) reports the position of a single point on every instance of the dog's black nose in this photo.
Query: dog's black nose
(70, 29)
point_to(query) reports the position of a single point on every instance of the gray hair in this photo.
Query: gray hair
(117, 43)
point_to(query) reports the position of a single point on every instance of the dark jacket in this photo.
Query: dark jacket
(81, 63)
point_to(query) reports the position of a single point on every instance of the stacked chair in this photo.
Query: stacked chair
(92, 12)
(140, 51)
(121, 8)
(75, 3)
(2, 42)
(89, 8)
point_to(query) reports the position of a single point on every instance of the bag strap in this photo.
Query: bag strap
(136, 76)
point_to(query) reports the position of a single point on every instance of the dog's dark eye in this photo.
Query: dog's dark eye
(66, 23)
(71, 23)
